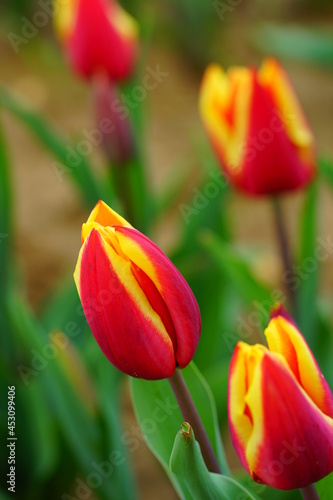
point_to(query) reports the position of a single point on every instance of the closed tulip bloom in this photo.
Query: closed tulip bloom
(139, 307)
(98, 36)
(257, 128)
(280, 409)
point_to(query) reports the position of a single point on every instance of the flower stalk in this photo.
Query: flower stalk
(284, 248)
(191, 415)
(310, 492)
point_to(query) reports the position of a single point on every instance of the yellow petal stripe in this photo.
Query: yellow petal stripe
(105, 216)
(125, 24)
(284, 338)
(64, 18)
(273, 77)
(122, 267)
(227, 95)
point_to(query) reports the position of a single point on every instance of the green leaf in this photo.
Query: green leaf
(110, 391)
(73, 164)
(159, 417)
(236, 268)
(39, 436)
(326, 170)
(265, 492)
(325, 487)
(5, 215)
(33, 363)
(186, 463)
(6, 231)
(308, 264)
(63, 310)
(217, 379)
(302, 44)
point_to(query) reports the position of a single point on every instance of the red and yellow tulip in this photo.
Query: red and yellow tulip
(139, 307)
(280, 409)
(257, 128)
(98, 36)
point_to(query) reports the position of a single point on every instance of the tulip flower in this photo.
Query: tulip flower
(257, 128)
(140, 309)
(98, 36)
(280, 409)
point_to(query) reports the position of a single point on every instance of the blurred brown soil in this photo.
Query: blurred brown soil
(48, 213)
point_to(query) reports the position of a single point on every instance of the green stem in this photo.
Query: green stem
(310, 492)
(191, 415)
(284, 249)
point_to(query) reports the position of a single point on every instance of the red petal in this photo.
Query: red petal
(173, 288)
(96, 45)
(297, 448)
(127, 337)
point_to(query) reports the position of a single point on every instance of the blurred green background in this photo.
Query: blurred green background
(74, 409)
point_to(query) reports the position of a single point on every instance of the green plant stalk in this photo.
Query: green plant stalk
(284, 248)
(310, 492)
(190, 415)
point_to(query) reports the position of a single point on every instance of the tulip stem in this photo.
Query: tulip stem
(191, 415)
(310, 492)
(284, 248)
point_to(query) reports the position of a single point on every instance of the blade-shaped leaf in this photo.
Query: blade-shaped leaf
(5, 215)
(303, 44)
(159, 417)
(76, 166)
(308, 264)
(186, 462)
(326, 170)
(236, 268)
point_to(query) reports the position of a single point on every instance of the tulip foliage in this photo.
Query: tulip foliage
(207, 348)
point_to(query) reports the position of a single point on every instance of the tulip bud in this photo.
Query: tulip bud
(257, 128)
(280, 409)
(98, 37)
(140, 309)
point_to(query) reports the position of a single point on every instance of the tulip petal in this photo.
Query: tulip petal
(284, 338)
(224, 106)
(297, 445)
(99, 36)
(171, 285)
(257, 128)
(246, 434)
(105, 216)
(275, 80)
(273, 163)
(112, 299)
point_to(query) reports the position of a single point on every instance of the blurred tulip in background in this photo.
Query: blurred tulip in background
(98, 37)
(257, 128)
